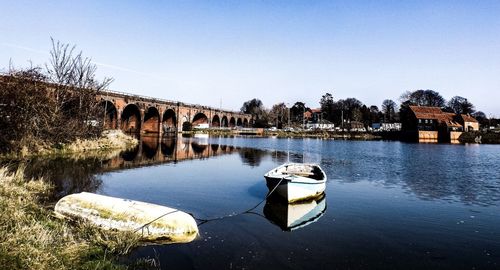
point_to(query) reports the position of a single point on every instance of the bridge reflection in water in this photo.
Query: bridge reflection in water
(156, 150)
(82, 172)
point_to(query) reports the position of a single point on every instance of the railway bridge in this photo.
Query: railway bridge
(141, 114)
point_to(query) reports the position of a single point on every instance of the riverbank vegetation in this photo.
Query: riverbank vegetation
(44, 108)
(480, 137)
(108, 142)
(46, 111)
(32, 238)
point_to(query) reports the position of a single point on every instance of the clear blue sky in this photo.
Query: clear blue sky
(205, 51)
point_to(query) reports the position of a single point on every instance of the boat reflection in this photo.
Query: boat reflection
(294, 216)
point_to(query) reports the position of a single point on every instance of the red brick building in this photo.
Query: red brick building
(431, 124)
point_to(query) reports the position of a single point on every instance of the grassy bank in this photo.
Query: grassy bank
(32, 238)
(110, 140)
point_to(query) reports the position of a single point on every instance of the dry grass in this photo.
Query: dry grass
(110, 139)
(109, 142)
(32, 238)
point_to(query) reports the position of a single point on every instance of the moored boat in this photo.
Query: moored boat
(297, 181)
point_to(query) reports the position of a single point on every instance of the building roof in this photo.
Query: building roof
(435, 113)
(424, 112)
(316, 110)
(449, 120)
(468, 118)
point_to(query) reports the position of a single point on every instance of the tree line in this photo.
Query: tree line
(344, 111)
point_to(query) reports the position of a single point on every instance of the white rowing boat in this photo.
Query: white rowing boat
(297, 181)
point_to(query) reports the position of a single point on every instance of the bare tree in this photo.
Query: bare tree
(278, 114)
(75, 89)
(389, 108)
(51, 106)
(460, 105)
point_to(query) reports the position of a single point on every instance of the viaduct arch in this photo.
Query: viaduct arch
(139, 114)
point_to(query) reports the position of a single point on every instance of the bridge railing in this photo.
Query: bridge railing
(166, 101)
(138, 96)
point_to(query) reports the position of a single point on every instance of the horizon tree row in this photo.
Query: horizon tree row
(352, 109)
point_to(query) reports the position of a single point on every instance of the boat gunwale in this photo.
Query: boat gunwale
(273, 174)
(297, 181)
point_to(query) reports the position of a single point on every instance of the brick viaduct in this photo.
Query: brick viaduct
(133, 113)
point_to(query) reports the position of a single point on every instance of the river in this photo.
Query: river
(387, 205)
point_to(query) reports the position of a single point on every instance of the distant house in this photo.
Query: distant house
(313, 115)
(386, 126)
(323, 124)
(356, 126)
(431, 124)
(308, 115)
(390, 126)
(468, 122)
(316, 112)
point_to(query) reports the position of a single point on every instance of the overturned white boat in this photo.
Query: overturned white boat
(297, 181)
(154, 222)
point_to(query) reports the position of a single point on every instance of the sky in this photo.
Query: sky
(227, 52)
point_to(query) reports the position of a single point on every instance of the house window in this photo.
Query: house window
(430, 121)
(426, 121)
(420, 121)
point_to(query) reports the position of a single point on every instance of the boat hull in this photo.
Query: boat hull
(296, 189)
(153, 222)
(297, 181)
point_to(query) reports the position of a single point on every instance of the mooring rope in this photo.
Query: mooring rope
(146, 224)
(203, 221)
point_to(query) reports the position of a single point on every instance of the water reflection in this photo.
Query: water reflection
(294, 216)
(215, 147)
(430, 172)
(168, 146)
(280, 157)
(198, 148)
(79, 173)
(457, 174)
(157, 150)
(252, 157)
(68, 175)
(150, 147)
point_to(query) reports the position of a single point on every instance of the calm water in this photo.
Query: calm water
(388, 205)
